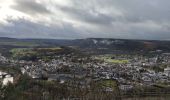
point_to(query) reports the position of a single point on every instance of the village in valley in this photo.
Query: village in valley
(89, 69)
(127, 72)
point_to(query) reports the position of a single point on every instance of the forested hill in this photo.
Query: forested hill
(105, 43)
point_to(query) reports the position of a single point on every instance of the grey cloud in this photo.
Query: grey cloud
(30, 7)
(133, 10)
(136, 19)
(86, 16)
(138, 10)
(25, 29)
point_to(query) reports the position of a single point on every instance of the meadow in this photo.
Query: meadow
(110, 59)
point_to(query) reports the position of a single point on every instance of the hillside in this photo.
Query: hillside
(90, 43)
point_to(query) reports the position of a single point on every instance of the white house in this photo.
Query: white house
(167, 71)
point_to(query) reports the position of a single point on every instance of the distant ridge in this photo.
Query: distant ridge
(93, 43)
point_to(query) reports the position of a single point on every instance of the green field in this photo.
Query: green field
(34, 53)
(108, 83)
(114, 61)
(31, 50)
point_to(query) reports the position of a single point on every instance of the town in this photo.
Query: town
(129, 71)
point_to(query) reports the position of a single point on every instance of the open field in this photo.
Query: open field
(114, 61)
(108, 83)
(33, 53)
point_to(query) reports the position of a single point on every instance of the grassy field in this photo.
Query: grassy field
(114, 61)
(56, 48)
(108, 83)
(35, 53)
(22, 51)
(32, 51)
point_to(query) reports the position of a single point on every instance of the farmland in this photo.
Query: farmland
(110, 59)
(34, 53)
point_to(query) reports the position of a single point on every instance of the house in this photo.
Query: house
(6, 78)
(146, 80)
(125, 87)
(167, 71)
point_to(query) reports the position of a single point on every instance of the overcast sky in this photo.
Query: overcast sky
(70, 19)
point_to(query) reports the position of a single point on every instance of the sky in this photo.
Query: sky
(73, 19)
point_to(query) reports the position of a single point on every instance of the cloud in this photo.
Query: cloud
(28, 29)
(134, 19)
(87, 17)
(30, 7)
